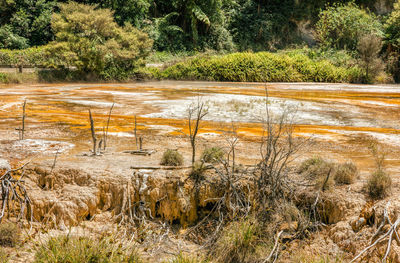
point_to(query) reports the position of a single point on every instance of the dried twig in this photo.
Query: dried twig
(93, 133)
(392, 232)
(108, 124)
(14, 192)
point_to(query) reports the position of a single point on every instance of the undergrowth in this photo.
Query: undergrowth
(67, 249)
(262, 67)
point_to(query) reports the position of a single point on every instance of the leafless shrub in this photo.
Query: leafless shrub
(14, 197)
(196, 112)
(369, 47)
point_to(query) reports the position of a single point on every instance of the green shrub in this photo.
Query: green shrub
(260, 67)
(340, 26)
(9, 234)
(89, 39)
(66, 249)
(171, 158)
(3, 78)
(212, 155)
(379, 184)
(346, 173)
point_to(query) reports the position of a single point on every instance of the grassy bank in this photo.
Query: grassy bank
(285, 66)
(294, 65)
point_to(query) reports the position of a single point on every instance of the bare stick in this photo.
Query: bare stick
(196, 113)
(136, 138)
(108, 124)
(54, 162)
(268, 259)
(140, 143)
(21, 130)
(93, 132)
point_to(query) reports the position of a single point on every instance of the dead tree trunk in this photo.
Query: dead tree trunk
(108, 124)
(21, 130)
(135, 131)
(196, 113)
(93, 133)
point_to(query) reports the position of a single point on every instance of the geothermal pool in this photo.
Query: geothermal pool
(327, 112)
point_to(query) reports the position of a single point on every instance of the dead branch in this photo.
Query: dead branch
(93, 133)
(108, 124)
(392, 232)
(141, 152)
(21, 130)
(196, 113)
(275, 249)
(135, 131)
(14, 196)
(160, 167)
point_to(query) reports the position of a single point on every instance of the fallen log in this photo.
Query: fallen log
(160, 167)
(141, 152)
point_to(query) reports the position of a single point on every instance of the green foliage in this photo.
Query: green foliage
(261, 67)
(25, 23)
(392, 27)
(9, 234)
(341, 26)
(379, 184)
(392, 39)
(26, 57)
(90, 40)
(212, 154)
(171, 158)
(66, 249)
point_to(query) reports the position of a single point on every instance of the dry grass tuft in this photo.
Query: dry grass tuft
(379, 184)
(238, 242)
(171, 158)
(66, 249)
(9, 234)
(212, 155)
(346, 173)
(316, 170)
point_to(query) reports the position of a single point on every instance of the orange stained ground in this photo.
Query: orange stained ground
(65, 106)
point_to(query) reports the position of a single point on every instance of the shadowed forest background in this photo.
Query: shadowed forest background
(357, 40)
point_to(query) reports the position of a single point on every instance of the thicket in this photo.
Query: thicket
(262, 67)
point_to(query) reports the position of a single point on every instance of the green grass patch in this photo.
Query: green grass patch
(66, 249)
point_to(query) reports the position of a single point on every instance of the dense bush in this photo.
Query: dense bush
(341, 26)
(26, 57)
(379, 184)
(171, 158)
(9, 234)
(261, 67)
(90, 40)
(66, 249)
